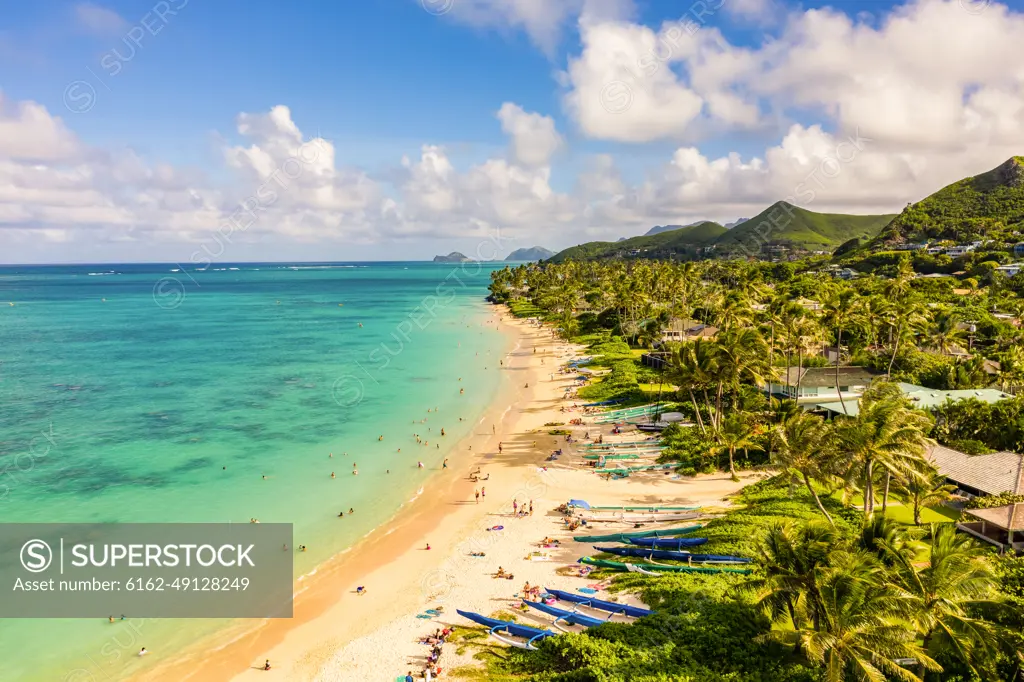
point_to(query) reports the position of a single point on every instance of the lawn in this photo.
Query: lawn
(904, 513)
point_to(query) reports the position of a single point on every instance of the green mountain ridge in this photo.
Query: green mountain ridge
(780, 224)
(658, 229)
(684, 241)
(532, 253)
(988, 205)
(784, 224)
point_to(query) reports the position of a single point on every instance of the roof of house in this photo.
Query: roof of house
(826, 376)
(927, 399)
(1000, 472)
(691, 327)
(920, 398)
(1007, 517)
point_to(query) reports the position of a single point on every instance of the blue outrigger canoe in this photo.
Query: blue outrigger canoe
(531, 635)
(569, 617)
(677, 543)
(645, 553)
(625, 537)
(667, 543)
(599, 604)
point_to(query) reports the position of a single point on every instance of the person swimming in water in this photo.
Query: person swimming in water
(332, 474)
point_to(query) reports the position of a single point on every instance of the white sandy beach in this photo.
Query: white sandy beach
(338, 635)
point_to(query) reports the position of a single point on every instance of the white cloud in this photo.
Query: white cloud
(534, 139)
(932, 93)
(542, 20)
(930, 75)
(29, 133)
(623, 87)
(99, 20)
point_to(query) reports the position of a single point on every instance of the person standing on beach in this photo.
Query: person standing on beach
(515, 507)
(531, 507)
(444, 465)
(475, 492)
(483, 492)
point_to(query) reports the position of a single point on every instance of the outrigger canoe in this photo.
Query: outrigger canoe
(661, 568)
(642, 518)
(531, 635)
(600, 604)
(568, 617)
(627, 537)
(648, 508)
(645, 553)
(666, 543)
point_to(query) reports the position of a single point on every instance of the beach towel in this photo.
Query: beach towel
(587, 590)
(425, 616)
(496, 528)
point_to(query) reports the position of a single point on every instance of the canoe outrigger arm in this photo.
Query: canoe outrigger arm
(519, 645)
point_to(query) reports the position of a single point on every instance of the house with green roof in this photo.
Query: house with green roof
(920, 397)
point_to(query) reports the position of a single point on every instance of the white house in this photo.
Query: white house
(960, 250)
(819, 383)
(1011, 269)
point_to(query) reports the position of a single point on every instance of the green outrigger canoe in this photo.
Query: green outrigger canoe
(647, 509)
(639, 454)
(619, 566)
(624, 537)
(629, 470)
(623, 444)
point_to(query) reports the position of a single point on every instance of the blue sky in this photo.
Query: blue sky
(381, 79)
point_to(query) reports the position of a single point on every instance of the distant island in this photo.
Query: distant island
(533, 253)
(453, 257)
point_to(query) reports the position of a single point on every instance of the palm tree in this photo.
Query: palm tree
(734, 433)
(694, 367)
(1011, 368)
(945, 333)
(741, 356)
(888, 540)
(886, 433)
(803, 448)
(863, 631)
(790, 557)
(924, 489)
(735, 311)
(906, 320)
(773, 315)
(944, 596)
(876, 310)
(842, 311)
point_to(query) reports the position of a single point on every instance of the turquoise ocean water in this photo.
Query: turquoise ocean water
(126, 389)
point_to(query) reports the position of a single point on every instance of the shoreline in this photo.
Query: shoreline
(337, 635)
(233, 653)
